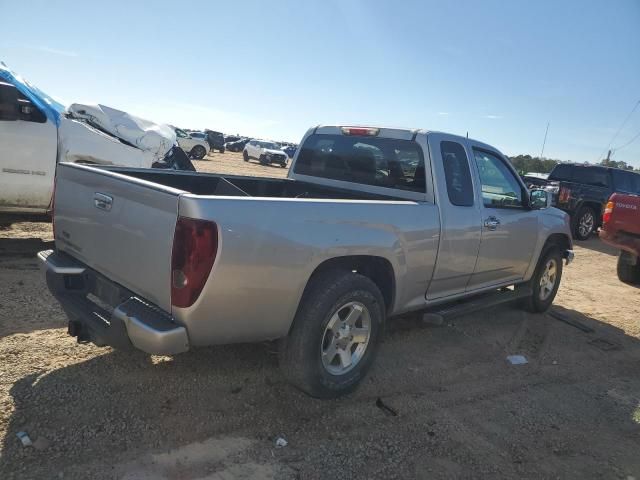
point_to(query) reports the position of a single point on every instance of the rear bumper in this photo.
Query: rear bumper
(104, 313)
(622, 240)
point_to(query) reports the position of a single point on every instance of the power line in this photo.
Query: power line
(619, 130)
(637, 136)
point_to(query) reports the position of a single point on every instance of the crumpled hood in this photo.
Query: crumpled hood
(138, 132)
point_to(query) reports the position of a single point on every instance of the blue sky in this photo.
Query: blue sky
(499, 70)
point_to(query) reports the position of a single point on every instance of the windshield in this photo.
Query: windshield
(270, 145)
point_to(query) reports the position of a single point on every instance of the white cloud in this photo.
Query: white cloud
(443, 113)
(493, 117)
(54, 51)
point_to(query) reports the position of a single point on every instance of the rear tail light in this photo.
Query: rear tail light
(360, 131)
(606, 216)
(195, 245)
(564, 195)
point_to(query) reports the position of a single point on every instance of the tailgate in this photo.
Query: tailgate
(626, 213)
(118, 225)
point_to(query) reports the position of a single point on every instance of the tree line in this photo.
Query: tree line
(528, 164)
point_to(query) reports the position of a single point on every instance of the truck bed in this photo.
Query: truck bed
(240, 186)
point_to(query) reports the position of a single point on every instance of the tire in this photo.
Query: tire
(544, 292)
(305, 354)
(262, 160)
(627, 271)
(585, 223)
(221, 150)
(283, 165)
(245, 156)
(198, 152)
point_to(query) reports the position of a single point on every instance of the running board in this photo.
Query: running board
(487, 300)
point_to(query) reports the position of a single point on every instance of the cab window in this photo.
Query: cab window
(14, 105)
(500, 187)
(376, 161)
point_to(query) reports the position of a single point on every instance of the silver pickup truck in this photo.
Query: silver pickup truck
(370, 223)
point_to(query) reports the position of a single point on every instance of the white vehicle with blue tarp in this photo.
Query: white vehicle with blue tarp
(37, 132)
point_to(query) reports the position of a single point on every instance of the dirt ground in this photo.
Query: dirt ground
(457, 408)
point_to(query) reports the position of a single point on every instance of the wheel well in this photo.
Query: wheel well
(559, 240)
(377, 269)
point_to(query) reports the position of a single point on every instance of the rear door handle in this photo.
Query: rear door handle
(102, 201)
(491, 223)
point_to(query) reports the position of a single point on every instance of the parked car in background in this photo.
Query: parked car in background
(196, 147)
(583, 191)
(536, 180)
(290, 150)
(265, 152)
(343, 243)
(216, 140)
(621, 228)
(231, 138)
(238, 145)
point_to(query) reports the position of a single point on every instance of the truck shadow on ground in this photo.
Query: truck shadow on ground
(453, 406)
(594, 243)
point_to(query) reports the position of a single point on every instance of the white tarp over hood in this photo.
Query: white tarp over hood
(150, 137)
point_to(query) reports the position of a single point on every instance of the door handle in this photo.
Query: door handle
(102, 201)
(491, 223)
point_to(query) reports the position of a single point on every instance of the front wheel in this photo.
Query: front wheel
(335, 334)
(585, 223)
(545, 281)
(198, 152)
(245, 156)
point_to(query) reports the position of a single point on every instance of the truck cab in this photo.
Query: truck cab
(28, 145)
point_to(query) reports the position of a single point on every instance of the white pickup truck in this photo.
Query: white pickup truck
(370, 223)
(36, 133)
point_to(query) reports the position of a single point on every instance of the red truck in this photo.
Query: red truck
(621, 228)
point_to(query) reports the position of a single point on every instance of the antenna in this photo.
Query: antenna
(545, 139)
(467, 135)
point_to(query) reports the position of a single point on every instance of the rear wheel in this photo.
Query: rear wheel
(585, 223)
(545, 281)
(335, 334)
(245, 156)
(628, 268)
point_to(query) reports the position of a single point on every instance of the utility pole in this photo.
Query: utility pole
(545, 140)
(606, 162)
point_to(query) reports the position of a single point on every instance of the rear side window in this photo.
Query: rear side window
(381, 162)
(626, 182)
(457, 174)
(561, 173)
(594, 176)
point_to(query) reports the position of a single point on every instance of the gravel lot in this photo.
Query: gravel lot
(457, 409)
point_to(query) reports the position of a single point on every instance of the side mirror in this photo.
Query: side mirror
(9, 109)
(539, 199)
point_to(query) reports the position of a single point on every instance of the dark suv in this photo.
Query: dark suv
(583, 191)
(215, 140)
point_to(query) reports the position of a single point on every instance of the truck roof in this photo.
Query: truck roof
(391, 132)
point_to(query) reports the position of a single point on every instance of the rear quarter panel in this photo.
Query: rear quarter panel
(270, 247)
